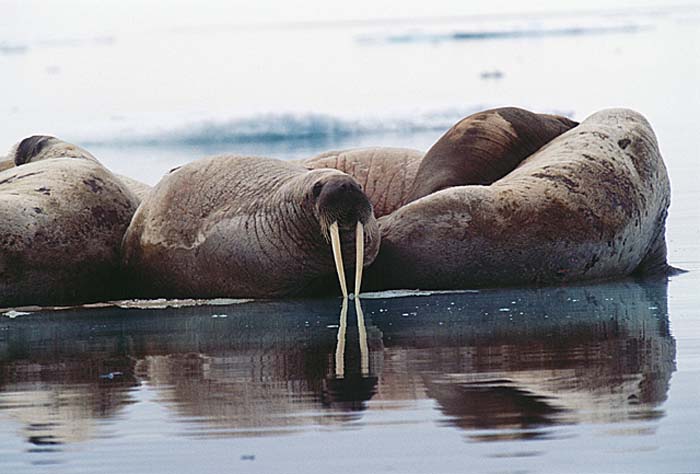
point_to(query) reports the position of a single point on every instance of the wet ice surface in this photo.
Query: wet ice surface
(585, 378)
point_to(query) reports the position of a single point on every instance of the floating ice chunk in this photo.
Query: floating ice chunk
(12, 314)
(408, 293)
(162, 303)
(111, 375)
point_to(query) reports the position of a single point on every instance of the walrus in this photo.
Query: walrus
(62, 219)
(485, 147)
(590, 204)
(240, 226)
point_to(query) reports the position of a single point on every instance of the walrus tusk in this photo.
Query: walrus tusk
(338, 256)
(360, 256)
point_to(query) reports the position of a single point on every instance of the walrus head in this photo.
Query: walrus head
(44, 147)
(30, 148)
(340, 203)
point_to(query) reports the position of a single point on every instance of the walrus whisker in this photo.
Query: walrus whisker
(360, 256)
(338, 256)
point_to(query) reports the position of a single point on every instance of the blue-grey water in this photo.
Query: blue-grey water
(584, 378)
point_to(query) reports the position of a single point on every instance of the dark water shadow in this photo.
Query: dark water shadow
(500, 364)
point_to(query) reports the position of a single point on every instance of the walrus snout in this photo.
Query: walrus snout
(341, 199)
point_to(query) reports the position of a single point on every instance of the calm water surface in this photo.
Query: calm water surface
(502, 380)
(588, 378)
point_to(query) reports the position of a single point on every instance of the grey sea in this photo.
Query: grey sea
(586, 378)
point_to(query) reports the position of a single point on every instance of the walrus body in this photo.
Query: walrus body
(386, 174)
(246, 227)
(62, 219)
(590, 204)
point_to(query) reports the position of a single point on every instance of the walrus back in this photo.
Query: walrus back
(485, 147)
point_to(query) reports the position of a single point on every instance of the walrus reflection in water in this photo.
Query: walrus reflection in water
(249, 227)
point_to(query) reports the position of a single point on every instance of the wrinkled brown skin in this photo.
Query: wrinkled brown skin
(385, 174)
(591, 204)
(233, 226)
(485, 147)
(62, 219)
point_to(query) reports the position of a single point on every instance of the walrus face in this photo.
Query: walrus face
(340, 204)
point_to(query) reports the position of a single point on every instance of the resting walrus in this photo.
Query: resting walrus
(249, 227)
(62, 219)
(485, 147)
(590, 204)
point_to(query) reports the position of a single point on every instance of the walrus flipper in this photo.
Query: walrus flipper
(656, 260)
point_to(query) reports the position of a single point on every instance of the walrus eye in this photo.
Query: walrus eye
(317, 189)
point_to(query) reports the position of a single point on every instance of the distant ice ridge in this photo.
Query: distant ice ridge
(503, 29)
(480, 34)
(271, 128)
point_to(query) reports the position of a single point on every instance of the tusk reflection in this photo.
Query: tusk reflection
(340, 346)
(338, 257)
(362, 333)
(360, 258)
(362, 336)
